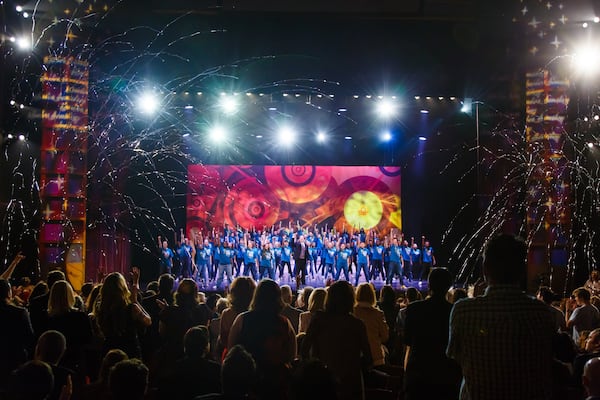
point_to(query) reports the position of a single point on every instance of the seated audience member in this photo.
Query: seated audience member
(291, 313)
(503, 339)
(546, 295)
(429, 373)
(339, 340)
(268, 337)
(580, 314)
(50, 349)
(591, 379)
(374, 320)
(99, 389)
(316, 303)
(238, 377)
(194, 374)
(312, 379)
(128, 380)
(16, 343)
(31, 381)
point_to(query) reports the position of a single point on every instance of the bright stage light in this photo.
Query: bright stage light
(385, 108)
(287, 135)
(424, 111)
(25, 15)
(596, 19)
(218, 134)
(321, 137)
(10, 136)
(590, 145)
(23, 43)
(148, 103)
(422, 138)
(586, 59)
(229, 105)
(21, 137)
(386, 136)
(19, 8)
(584, 25)
(348, 137)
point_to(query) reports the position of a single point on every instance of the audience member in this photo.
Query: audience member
(580, 314)
(38, 306)
(214, 329)
(31, 381)
(374, 320)
(591, 379)
(503, 339)
(152, 304)
(387, 303)
(99, 389)
(50, 349)
(240, 296)
(291, 313)
(316, 303)
(128, 380)
(311, 379)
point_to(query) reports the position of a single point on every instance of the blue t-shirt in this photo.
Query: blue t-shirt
(427, 254)
(406, 251)
(395, 253)
(266, 258)
(342, 258)
(225, 255)
(286, 253)
(415, 254)
(378, 252)
(312, 253)
(250, 255)
(362, 255)
(330, 256)
(166, 257)
(203, 255)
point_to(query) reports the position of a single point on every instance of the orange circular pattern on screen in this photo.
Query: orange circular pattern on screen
(298, 183)
(250, 204)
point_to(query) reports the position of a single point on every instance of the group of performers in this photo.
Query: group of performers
(212, 258)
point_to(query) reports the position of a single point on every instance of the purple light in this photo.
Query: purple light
(424, 111)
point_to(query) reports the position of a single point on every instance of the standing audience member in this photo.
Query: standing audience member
(429, 373)
(591, 379)
(546, 295)
(50, 349)
(99, 389)
(214, 329)
(340, 341)
(592, 350)
(593, 283)
(374, 320)
(119, 316)
(151, 340)
(503, 339)
(291, 313)
(240, 297)
(269, 337)
(31, 381)
(16, 334)
(580, 314)
(38, 306)
(387, 303)
(316, 303)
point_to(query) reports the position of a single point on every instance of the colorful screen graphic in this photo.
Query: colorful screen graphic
(264, 196)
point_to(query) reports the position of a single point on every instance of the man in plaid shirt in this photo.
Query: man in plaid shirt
(503, 339)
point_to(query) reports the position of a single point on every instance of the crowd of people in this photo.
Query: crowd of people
(212, 257)
(111, 340)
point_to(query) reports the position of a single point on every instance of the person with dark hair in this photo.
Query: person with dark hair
(128, 380)
(300, 257)
(339, 340)
(99, 389)
(591, 379)
(429, 373)
(503, 339)
(16, 335)
(546, 295)
(151, 341)
(194, 374)
(580, 314)
(311, 379)
(38, 306)
(268, 336)
(31, 381)
(50, 349)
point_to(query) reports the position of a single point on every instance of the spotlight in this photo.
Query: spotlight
(596, 19)
(586, 59)
(287, 135)
(10, 136)
(584, 25)
(440, 97)
(417, 97)
(23, 43)
(422, 138)
(347, 137)
(21, 106)
(21, 137)
(596, 117)
(467, 106)
(189, 107)
(385, 108)
(586, 119)
(321, 137)
(19, 8)
(229, 105)
(387, 136)
(148, 103)
(217, 134)
(590, 145)
(356, 96)
(12, 102)
(424, 111)
(25, 15)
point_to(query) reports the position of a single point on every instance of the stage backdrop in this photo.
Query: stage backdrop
(262, 196)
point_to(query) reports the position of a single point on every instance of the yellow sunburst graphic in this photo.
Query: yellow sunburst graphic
(363, 210)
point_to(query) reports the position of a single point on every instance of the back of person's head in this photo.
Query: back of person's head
(564, 347)
(591, 377)
(110, 360)
(583, 294)
(439, 281)
(387, 295)
(86, 289)
(267, 297)
(222, 304)
(211, 301)
(128, 380)
(340, 298)
(505, 260)
(196, 342)
(286, 294)
(365, 293)
(241, 292)
(187, 293)
(165, 284)
(412, 294)
(152, 287)
(55, 276)
(5, 291)
(311, 379)
(316, 301)
(304, 296)
(546, 294)
(238, 373)
(92, 299)
(61, 298)
(39, 289)
(33, 380)
(50, 347)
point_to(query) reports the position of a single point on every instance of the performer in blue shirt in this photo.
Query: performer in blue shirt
(342, 262)
(286, 257)
(396, 262)
(329, 260)
(312, 259)
(406, 260)
(203, 258)
(226, 259)
(185, 251)
(251, 255)
(166, 257)
(362, 262)
(267, 262)
(428, 259)
(415, 259)
(377, 251)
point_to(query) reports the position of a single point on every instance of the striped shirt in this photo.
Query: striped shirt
(503, 342)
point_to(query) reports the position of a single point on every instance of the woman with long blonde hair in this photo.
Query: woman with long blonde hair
(119, 315)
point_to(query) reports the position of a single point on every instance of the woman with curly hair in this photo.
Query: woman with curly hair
(119, 315)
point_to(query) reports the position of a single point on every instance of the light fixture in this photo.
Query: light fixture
(148, 103)
(321, 136)
(21, 137)
(590, 145)
(229, 105)
(23, 43)
(385, 108)
(586, 59)
(422, 138)
(348, 137)
(424, 111)
(386, 136)
(287, 135)
(217, 134)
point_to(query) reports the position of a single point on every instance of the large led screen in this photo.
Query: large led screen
(340, 197)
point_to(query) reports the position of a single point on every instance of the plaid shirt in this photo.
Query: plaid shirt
(503, 342)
